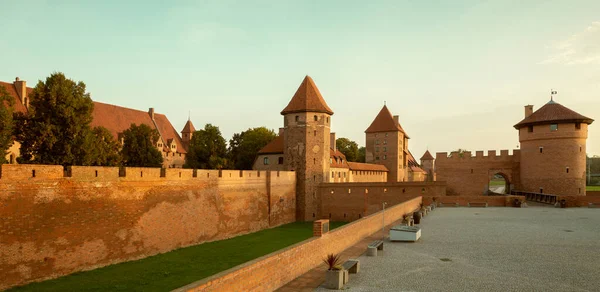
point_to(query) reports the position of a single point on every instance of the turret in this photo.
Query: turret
(427, 163)
(307, 120)
(553, 150)
(187, 132)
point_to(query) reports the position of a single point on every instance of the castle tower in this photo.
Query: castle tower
(427, 163)
(187, 132)
(553, 148)
(387, 144)
(307, 120)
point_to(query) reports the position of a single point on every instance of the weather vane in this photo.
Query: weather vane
(552, 93)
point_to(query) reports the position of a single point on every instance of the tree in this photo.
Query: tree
(207, 149)
(6, 123)
(105, 149)
(362, 154)
(56, 129)
(139, 147)
(348, 147)
(244, 147)
(460, 151)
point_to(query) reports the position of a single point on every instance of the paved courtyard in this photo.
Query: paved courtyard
(491, 249)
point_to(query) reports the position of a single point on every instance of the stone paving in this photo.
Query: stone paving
(490, 249)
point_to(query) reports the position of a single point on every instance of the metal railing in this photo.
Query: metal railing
(537, 197)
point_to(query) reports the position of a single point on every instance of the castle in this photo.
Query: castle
(116, 119)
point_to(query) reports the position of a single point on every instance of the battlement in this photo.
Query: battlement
(479, 155)
(27, 172)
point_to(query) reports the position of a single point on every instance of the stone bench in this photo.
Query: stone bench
(373, 247)
(352, 266)
(477, 204)
(448, 204)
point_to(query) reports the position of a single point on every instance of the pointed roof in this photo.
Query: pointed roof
(384, 122)
(18, 101)
(427, 156)
(553, 112)
(307, 99)
(188, 128)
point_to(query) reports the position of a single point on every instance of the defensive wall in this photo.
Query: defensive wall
(352, 201)
(55, 222)
(274, 270)
(467, 175)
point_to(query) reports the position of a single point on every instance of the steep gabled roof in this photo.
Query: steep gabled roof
(366, 166)
(307, 99)
(188, 128)
(12, 91)
(118, 119)
(384, 122)
(274, 147)
(413, 164)
(427, 156)
(338, 159)
(553, 112)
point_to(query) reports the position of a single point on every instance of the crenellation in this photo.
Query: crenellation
(479, 153)
(491, 153)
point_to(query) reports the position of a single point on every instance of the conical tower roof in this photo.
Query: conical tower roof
(553, 112)
(427, 156)
(188, 128)
(384, 122)
(307, 99)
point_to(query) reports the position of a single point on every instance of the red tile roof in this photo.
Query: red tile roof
(12, 91)
(307, 99)
(274, 147)
(413, 164)
(118, 119)
(188, 128)
(338, 159)
(427, 156)
(366, 166)
(384, 122)
(553, 112)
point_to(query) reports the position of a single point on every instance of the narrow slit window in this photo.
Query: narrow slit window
(567, 170)
(541, 149)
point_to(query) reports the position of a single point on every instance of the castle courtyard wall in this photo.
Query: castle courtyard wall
(52, 225)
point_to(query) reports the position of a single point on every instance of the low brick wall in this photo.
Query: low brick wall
(580, 201)
(276, 269)
(493, 201)
(592, 193)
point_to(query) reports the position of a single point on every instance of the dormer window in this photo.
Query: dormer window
(553, 127)
(266, 161)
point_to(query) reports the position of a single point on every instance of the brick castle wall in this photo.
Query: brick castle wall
(276, 269)
(51, 225)
(469, 175)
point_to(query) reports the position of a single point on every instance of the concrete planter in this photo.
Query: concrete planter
(334, 279)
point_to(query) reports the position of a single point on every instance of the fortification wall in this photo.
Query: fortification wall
(368, 176)
(468, 175)
(51, 225)
(352, 201)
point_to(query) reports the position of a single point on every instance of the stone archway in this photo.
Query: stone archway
(499, 183)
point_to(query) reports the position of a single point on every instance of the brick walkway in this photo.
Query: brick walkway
(315, 277)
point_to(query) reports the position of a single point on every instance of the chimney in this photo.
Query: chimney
(151, 113)
(528, 110)
(397, 120)
(332, 141)
(281, 131)
(21, 87)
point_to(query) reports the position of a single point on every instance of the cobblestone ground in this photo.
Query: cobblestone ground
(491, 249)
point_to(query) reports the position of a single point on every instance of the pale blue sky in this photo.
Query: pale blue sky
(457, 72)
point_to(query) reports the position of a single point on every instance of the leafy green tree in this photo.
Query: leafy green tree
(460, 151)
(244, 147)
(105, 149)
(6, 123)
(207, 149)
(139, 147)
(362, 155)
(56, 130)
(349, 148)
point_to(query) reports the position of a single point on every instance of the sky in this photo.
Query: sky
(458, 73)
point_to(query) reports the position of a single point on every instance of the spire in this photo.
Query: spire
(189, 127)
(384, 122)
(427, 156)
(307, 99)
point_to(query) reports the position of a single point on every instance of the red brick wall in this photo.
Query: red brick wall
(493, 201)
(52, 225)
(352, 201)
(275, 270)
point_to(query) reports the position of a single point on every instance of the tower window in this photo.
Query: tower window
(297, 118)
(541, 190)
(376, 149)
(580, 148)
(332, 175)
(280, 160)
(384, 157)
(553, 127)
(266, 161)
(316, 118)
(578, 126)
(541, 149)
(327, 119)
(315, 133)
(530, 129)
(567, 170)
(384, 149)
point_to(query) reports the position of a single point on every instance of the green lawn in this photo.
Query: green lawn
(180, 267)
(497, 182)
(592, 188)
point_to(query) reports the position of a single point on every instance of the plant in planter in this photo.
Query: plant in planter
(334, 279)
(407, 219)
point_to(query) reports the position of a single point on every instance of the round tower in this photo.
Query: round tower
(307, 120)
(553, 150)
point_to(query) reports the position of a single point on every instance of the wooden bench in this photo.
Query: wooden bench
(448, 204)
(373, 247)
(477, 204)
(352, 266)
